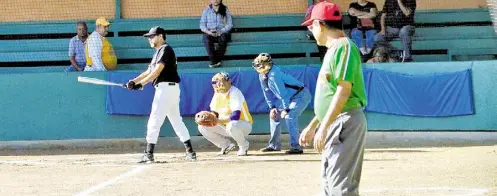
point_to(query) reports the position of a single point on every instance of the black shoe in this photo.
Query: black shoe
(294, 151)
(269, 149)
(192, 156)
(147, 158)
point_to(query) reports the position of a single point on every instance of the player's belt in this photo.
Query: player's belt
(298, 91)
(168, 83)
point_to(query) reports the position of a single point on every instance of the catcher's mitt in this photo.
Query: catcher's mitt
(205, 118)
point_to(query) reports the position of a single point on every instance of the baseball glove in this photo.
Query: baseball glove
(206, 119)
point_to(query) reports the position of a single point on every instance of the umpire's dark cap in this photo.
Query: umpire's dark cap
(155, 31)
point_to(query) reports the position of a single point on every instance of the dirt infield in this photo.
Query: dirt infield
(391, 171)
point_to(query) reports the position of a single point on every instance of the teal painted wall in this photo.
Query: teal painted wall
(52, 105)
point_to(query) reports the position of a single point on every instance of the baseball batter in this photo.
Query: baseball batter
(163, 72)
(234, 119)
(339, 99)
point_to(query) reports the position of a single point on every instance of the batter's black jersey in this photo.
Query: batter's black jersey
(165, 55)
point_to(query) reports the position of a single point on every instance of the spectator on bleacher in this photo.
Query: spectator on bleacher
(100, 54)
(362, 14)
(381, 55)
(216, 24)
(397, 20)
(287, 99)
(77, 48)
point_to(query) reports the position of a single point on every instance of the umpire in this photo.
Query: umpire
(163, 72)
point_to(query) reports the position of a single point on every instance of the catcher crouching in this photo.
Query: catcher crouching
(228, 117)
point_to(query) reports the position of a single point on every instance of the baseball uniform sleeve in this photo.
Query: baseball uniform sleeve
(268, 96)
(278, 84)
(165, 56)
(236, 100)
(236, 104)
(347, 62)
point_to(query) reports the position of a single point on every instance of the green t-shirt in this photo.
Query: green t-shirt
(341, 62)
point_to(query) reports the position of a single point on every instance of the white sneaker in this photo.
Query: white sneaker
(368, 50)
(227, 149)
(363, 51)
(242, 152)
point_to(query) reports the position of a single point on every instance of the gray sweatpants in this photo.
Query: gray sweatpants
(343, 154)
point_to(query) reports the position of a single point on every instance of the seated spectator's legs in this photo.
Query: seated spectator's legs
(209, 46)
(223, 44)
(405, 35)
(358, 37)
(383, 40)
(390, 33)
(370, 34)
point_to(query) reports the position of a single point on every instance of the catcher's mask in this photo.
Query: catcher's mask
(262, 63)
(221, 82)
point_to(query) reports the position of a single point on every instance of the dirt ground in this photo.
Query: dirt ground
(387, 171)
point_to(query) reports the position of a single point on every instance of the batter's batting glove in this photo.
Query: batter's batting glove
(130, 85)
(137, 87)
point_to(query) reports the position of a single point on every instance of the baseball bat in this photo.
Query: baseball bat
(98, 81)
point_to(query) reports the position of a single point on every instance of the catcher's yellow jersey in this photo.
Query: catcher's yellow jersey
(226, 103)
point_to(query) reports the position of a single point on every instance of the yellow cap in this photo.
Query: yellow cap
(102, 21)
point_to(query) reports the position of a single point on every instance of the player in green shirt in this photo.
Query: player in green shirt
(338, 104)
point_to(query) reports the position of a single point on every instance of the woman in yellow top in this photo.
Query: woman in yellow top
(235, 121)
(100, 55)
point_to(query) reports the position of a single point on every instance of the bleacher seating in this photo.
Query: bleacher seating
(440, 36)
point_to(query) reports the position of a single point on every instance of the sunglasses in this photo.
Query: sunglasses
(256, 65)
(152, 36)
(213, 82)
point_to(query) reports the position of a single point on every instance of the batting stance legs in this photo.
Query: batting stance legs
(165, 104)
(219, 134)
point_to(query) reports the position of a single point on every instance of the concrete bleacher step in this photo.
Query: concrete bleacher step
(276, 34)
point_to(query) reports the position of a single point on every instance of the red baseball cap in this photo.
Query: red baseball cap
(324, 11)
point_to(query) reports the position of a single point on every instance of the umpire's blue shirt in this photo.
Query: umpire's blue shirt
(277, 85)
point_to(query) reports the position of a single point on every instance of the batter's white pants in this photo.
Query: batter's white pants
(219, 134)
(166, 104)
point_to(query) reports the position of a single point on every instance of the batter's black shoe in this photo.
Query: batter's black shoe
(147, 158)
(192, 156)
